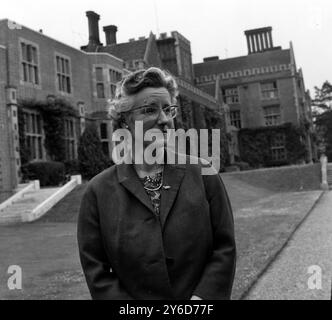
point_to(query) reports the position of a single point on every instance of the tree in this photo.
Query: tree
(322, 112)
(323, 99)
(324, 132)
(91, 157)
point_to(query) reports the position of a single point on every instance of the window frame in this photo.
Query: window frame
(34, 134)
(68, 75)
(278, 147)
(275, 90)
(30, 65)
(235, 121)
(70, 138)
(272, 116)
(226, 96)
(114, 76)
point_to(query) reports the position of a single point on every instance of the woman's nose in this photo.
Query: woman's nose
(162, 117)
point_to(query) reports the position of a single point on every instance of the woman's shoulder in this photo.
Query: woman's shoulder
(103, 178)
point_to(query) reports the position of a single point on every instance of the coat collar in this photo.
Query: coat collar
(172, 177)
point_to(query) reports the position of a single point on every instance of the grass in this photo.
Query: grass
(282, 179)
(47, 248)
(67, 209)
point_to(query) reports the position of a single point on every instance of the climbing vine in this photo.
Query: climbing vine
(255, 145)
(53, 113)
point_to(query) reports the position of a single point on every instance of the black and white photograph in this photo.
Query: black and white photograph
(167, 151)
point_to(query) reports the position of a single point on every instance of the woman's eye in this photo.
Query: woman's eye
(167, 110)
(150, 110)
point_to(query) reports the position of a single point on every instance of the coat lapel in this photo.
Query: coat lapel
(173, 176)
(130, 180)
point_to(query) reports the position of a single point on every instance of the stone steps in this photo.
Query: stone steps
(22, 207)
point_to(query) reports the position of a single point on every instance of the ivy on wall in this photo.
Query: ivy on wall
(53, 113)
(255, 145)
(215, 120)
(24, 151)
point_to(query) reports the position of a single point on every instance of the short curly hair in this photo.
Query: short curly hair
(135, 82)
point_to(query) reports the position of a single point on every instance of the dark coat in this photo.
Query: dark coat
(129, 253)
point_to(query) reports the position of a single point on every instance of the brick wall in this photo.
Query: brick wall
(81, 77)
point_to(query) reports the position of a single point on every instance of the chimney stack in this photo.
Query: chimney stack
(93, 20)
(110, 34)
(259, 40)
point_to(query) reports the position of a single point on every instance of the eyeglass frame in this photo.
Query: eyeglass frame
(160, 109)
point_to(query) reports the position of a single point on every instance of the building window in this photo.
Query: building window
(231, 95)
(278, 150)
(63, 74)
(70, 139)
(100, 83)
(100, 90)
(272, 115)
(235, 117)
(114, 77)
(113, 90)
(104, 138)
(269, 90)
(29, 64)
(33, 135)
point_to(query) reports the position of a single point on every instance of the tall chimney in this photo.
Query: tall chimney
(110, 34)
(93, 19)
(259, 40)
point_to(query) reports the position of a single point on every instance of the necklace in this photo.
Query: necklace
(160, 184)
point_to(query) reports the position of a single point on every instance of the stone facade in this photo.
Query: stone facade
(264, 88)
(34, 66)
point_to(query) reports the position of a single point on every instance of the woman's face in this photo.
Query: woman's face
(151, 99)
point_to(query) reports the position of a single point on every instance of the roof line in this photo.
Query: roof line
(62, 43)
(233, 58)
(42, 34)
(104, 53)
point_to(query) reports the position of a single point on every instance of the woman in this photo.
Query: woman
(155, 231)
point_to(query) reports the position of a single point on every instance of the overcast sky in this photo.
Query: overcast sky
(214, 27)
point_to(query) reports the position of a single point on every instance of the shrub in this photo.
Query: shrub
(91, 157)
(242, 165)
(255, 145)
(72, 167)
(49, 173)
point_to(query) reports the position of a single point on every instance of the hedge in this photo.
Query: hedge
(49, 173)
(255, 145)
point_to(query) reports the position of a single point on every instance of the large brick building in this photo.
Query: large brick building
(35, 67)
(171, 52)
(263, 88)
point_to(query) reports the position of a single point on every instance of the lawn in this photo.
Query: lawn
(47, 249)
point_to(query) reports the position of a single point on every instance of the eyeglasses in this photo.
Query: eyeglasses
(152, 112)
